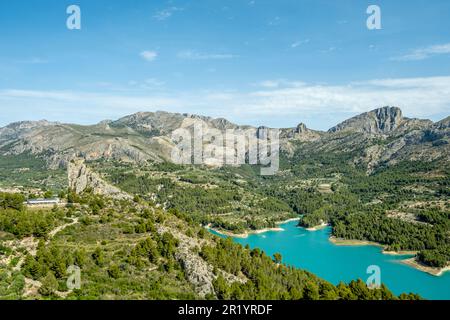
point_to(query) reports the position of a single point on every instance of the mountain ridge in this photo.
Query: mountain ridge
(384, 135)
(198, 116)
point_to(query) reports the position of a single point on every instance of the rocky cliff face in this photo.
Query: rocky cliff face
(198, 272)
(81, 177)
(58, 143)
(379, 121)
(164, 123)
(300, 133)
(15, 129)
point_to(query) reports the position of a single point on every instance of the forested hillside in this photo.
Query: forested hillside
(132, 250)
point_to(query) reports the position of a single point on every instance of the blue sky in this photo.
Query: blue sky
(256, 62)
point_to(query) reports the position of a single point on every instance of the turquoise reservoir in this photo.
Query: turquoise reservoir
(314, 252)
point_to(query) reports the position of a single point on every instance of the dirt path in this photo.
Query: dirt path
(60, 228)
(30, 244)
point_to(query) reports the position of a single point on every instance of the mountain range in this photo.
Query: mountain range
(382, 136)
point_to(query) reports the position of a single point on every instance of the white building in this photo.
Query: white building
(35, 202)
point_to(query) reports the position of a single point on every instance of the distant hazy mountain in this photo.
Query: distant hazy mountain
(373, 138)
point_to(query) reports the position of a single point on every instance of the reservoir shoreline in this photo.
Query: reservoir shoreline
(410, 261)
(313, 251)
(245, 234)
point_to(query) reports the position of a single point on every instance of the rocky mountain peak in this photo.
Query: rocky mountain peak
(21, 125)
(15, 129)
(378, 121)
(388, 118)
(262, 132)
(301, 128)
(443, 124)
(301, 133)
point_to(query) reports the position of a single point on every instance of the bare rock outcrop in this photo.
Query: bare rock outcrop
(198, 272)
(81, 178)
(378, 121)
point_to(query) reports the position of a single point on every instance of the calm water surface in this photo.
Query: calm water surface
(314, 252)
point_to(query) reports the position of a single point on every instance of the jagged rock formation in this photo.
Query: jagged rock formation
(301, 128)
(379, 121)
(300, 133)
(81, 178)
(443, 124)
(163, 123)
(198, 272)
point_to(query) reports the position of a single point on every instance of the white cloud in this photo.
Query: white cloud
(418, 97)
(154, 82)
(274, 22)
(88, 98)
(149, 55)
(409, 83)
(279, 83)
(76, 106)
(194, 55)
(328, 50)
(290, 100)
(424, 53)
(269, 84)
(166, 13)
(299, 43)
(149, 83)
